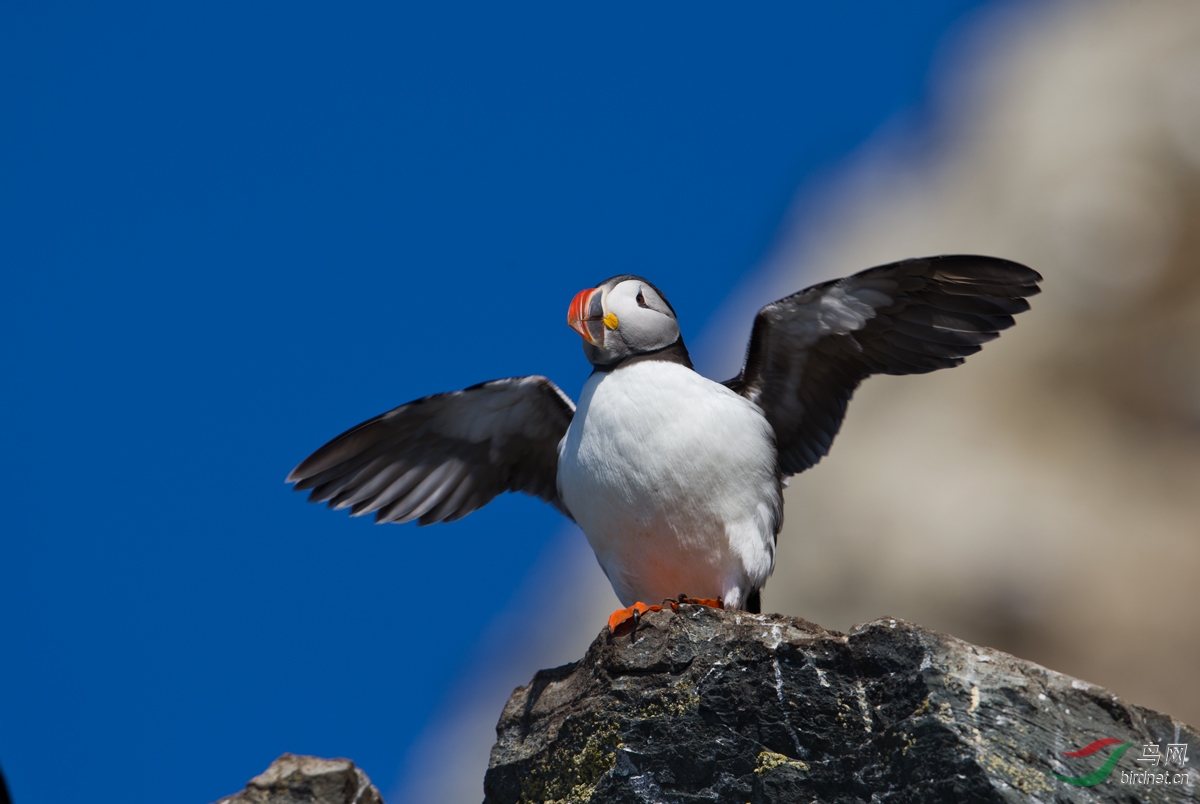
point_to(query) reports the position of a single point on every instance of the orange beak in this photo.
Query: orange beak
(586, 315)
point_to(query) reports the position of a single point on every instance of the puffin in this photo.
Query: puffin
(676, 480)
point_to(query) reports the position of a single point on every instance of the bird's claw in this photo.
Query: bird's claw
(711, 602)
(625, 621)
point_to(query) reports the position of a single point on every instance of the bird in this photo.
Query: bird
(676, 480)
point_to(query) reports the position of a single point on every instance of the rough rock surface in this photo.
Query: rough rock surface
(720, 706)
(293, 779)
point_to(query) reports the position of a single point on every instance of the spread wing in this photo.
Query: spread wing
(809, 351)
(439, 458)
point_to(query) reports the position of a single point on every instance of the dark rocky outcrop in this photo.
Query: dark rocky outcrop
(293, 779)
(720, 706)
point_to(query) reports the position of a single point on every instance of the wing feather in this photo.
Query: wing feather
(808, 352)
(438, 458)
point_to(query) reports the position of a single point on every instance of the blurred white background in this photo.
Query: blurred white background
(1044, 498)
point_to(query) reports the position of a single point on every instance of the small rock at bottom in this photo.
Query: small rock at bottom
(294, 779)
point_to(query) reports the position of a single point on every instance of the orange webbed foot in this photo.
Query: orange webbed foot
(711, 602)
(621, 617)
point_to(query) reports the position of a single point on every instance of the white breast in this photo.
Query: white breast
(673, 479)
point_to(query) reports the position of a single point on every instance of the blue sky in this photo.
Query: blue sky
(228, 231)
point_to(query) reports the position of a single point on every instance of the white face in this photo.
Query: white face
(637, 320)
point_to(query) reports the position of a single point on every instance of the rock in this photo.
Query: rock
(726, 706)
(4, 799)
(293, 779)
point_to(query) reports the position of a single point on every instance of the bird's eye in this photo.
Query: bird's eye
(641, 300)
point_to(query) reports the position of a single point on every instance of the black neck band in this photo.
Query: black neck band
(675, 353)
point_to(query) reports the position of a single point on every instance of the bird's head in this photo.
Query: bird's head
(622, 317)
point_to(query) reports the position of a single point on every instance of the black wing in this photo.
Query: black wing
(439, 458)
(809, 351)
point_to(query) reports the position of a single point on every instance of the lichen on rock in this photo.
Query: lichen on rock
(769, 761)
(567, 773)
